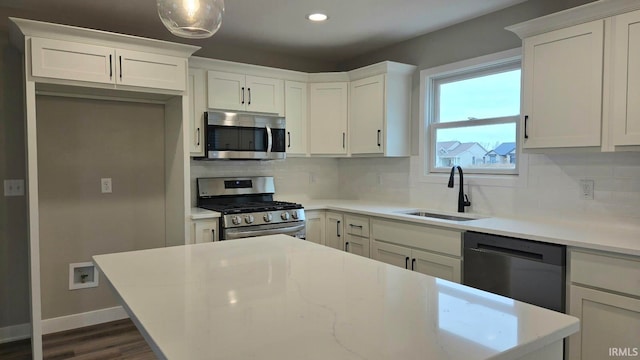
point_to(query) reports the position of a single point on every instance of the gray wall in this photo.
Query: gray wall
(14, 258)
(79, 142)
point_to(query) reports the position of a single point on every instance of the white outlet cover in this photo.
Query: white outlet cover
(587, 188)
(105, 185)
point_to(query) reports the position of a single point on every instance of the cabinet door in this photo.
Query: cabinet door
(607, 321)
(626, 79)
(356, 245)
(440, 266)
(205, 231)
(197, 107)
(367, 115)
(315, 226)
(295, 99)
(391, 254)
(264, 95)
(225, 91)
(333, 235)
(150, 70)
(328, 106)
(72, 61)
(562, 100)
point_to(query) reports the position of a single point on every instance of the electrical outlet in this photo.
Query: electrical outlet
(105, 185)
(14, 187)
(312, 178)
(586, 189)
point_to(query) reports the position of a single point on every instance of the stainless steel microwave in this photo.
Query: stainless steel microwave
(244, 136)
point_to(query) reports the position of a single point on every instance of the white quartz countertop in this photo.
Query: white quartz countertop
(277, 297)
(200, 214)
(589, 235)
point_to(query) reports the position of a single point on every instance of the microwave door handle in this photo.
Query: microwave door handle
(269, 139)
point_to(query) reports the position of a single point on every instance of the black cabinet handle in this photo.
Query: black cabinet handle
(413, 264)
(343, 140)
(110, 66)
(213, 234)
(289, 138)
(379, 131)
(406, 263)
(249, 90)
(526, 120)
(120, 67)
(338, 228)
(242, 95)
(356, 226)
(198, 136)
(346, 246)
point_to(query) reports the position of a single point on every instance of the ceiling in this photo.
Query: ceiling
(355, 27)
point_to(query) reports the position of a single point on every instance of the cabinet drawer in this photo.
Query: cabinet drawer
(615, 273)
(417, 236)
(357, 225)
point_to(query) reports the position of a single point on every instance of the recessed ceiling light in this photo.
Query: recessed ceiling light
(317, 17)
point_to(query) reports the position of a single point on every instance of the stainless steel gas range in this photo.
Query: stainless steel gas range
(248, 208)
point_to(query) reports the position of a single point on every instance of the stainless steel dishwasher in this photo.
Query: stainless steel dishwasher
(528, 271)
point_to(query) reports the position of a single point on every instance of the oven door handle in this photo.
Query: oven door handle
(231, 235)
(269, 139)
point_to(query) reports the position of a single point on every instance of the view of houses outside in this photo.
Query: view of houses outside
(476, 155)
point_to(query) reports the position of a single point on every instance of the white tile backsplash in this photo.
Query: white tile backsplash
(552, 188)
(293, 176)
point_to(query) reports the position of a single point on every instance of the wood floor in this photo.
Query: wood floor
(114, 340)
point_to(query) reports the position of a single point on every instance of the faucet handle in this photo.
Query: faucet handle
(466, 200)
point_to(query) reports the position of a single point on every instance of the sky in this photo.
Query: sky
(490, 96)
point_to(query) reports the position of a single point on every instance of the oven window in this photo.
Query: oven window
(231, 138)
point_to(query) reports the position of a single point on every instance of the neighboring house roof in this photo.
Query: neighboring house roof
(463, 148)
(504, 149)
(443, 147)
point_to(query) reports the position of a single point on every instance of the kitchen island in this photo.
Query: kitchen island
(276, 297)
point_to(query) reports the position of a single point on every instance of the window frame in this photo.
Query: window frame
(475, 66)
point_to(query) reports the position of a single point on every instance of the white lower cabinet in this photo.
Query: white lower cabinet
(333, 235)
(425, 249)
(315, 226)
(356, 240)
(204, 231)
(604, 295)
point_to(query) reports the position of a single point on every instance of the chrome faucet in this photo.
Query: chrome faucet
(463, 199)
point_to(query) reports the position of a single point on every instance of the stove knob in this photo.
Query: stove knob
(249, 219)
(285, 216)
(294, 214)
(268, 217)
(236, 220)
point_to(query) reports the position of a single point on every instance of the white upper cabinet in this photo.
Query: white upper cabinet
(562, 74)
(367, 115)
(239, 92)
(581, 77)
(67, 60)
(295, 98)
(380, 110)
(626, 79)
(328, 111)
(197, 107)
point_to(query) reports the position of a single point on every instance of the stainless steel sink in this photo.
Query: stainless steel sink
(439, 216)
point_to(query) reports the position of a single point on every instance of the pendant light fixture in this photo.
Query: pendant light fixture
(192, 19)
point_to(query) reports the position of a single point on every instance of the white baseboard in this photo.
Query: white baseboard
(15, 333)
(83, 319)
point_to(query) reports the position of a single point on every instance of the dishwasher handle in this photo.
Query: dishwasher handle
(488, 249)
(523, 248)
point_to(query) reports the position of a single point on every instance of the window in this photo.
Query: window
(471, 112)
